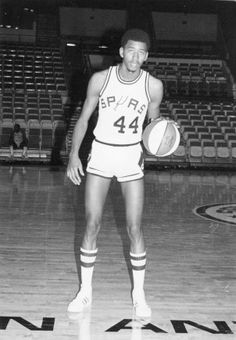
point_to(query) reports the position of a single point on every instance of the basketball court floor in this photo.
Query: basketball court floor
(190, 230)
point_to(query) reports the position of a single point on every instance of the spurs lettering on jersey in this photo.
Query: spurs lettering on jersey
(122, 109)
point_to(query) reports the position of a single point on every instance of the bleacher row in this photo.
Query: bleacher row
(188, 49)
(187, 70)
(31, 105)
(192, 78)
(27, 68)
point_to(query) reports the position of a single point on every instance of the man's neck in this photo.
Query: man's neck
(127, 75)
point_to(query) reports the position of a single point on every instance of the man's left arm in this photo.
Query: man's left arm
(156, 95)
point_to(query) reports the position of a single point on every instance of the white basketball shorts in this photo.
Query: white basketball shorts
(124, 162)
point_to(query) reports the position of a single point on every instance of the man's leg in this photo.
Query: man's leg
(95, 196)
(133, 193)
(24, 153)
(11, 151)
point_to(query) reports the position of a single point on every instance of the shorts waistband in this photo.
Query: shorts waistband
(110, 144)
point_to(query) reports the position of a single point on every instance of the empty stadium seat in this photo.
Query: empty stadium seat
(233, 152)
(231, 139)
(45, 114)
(7, 113)
(58, 114)
(19, 113)
(34, 134)
(46, 135)
(205, 137)
(222, 152)
(209, 151)
(33, 113)
(195, 151)
(180, 154)
(187, 131)
(6, 129)
(202, 130)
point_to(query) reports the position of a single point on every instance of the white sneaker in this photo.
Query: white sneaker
(141, 308)
(80, 302)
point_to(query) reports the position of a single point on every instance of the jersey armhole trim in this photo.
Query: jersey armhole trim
(106, 81)
(147, 87)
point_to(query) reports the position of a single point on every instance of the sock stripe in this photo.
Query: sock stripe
(138, 257)
(138, 267)
(88, 253)
(86, 264)
(87, 259)
(138, 261)
(137, 264)
(141, 254)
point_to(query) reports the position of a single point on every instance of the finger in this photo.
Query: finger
(69, 175)
(81, 170)
(174, 122)
(74, 176)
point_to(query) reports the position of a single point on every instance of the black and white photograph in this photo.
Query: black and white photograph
(117, 169)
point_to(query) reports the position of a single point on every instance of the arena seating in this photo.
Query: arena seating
(33, 87)
(192, 77)
(208, 135)
(198, 95)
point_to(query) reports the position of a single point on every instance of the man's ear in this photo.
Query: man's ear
(146, 56)
(121, 51)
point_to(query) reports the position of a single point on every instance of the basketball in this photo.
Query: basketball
(161, 137)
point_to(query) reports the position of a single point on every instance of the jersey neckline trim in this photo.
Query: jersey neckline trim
(126, 82)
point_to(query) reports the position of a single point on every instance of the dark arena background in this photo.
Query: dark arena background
(48, 51)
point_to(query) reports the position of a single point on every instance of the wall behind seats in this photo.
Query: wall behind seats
(88, 22)
(185, 27)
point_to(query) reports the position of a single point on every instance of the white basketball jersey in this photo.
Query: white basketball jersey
(122, 109)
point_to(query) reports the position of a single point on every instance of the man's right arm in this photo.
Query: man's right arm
(74, 168)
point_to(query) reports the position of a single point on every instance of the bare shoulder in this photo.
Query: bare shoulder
(154, 83)
(155, 88)
(97, 80)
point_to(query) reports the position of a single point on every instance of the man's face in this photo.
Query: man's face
(134, 53)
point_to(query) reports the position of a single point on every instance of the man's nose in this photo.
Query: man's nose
(135, 56)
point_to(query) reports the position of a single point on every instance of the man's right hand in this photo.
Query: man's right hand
(75, 169)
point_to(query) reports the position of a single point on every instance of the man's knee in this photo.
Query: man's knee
(93, 226)
(134, 231)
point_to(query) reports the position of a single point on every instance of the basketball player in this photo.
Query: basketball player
(125, 94)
